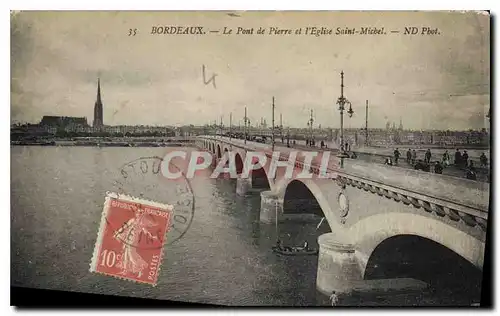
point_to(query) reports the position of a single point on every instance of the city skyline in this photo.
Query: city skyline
(432, 83)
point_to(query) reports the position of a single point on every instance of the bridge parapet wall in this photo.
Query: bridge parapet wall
(461, 191)
(460, 200)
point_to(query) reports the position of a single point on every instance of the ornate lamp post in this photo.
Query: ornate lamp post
(272, 130)
(221, 127)
(308, 137)
(310, 124)
(342, 102)
(246, 121)
(288, 138)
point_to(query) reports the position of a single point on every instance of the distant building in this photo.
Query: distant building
(98, 116)
(63, 122)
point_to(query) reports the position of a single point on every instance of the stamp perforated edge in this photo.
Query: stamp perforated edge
(102, 225)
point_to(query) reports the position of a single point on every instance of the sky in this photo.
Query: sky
(427, 81)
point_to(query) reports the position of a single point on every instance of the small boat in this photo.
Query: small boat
(291, 251)
(295, 251)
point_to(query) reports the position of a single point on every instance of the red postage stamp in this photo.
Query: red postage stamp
(130, 239)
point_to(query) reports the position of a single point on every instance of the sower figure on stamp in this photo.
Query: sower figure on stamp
(129, 235)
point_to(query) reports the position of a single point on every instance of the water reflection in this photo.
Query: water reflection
(224, 258)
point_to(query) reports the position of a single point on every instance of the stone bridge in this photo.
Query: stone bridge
(366, 205)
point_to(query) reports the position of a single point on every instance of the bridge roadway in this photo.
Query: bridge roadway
(372, 155)
(366, 205)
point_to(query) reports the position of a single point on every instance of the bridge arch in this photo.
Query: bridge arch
(219, 154)
(260, 180)
(298, 198)
(323, 191)
(372, 231)
(449, 275)
(238, 159)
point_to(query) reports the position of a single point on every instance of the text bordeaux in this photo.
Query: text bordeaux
(178, 30)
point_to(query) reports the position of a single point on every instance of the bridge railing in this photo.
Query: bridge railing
(461, 191)
(466, 194)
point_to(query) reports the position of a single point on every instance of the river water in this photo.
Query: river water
(224, 257)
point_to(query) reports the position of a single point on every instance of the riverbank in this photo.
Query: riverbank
(107, 142)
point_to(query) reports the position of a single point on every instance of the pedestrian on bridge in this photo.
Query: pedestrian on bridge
(396, 156)
(428, 156)
(465, 158)
(408, 156)
(484, 160)
(458, 158)
(322, 144)
(388, 161)
(471, 174)
(413, 157)
(446, 159)
(438, 168)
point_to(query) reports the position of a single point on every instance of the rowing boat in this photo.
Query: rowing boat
(295, 251)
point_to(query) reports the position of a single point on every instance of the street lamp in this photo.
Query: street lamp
(342, 102)
(308, 137)
(272, 130)
(246, 121)
(221, 127)
(230, 128)
(310, 124)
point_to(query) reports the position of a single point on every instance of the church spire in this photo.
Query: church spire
(98, 90)
(98, 117)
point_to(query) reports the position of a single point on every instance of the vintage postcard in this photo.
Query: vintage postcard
(252, 158)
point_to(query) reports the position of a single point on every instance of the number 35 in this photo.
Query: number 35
(132, 32)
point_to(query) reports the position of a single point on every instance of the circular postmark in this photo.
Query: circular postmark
(142, 178)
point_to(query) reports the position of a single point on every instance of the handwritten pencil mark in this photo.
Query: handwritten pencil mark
(212, 79)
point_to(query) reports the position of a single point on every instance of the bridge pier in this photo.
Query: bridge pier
(269, 201)
(215, 161)
(338, 267)
(243, 186)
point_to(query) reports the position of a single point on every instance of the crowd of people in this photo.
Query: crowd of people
(461, 161)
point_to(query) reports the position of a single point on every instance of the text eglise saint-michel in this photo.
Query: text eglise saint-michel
(310, 30)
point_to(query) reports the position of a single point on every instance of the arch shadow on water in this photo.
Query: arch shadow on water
(452, 279)
(239, 163)
(260, 180)
(302, 214)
